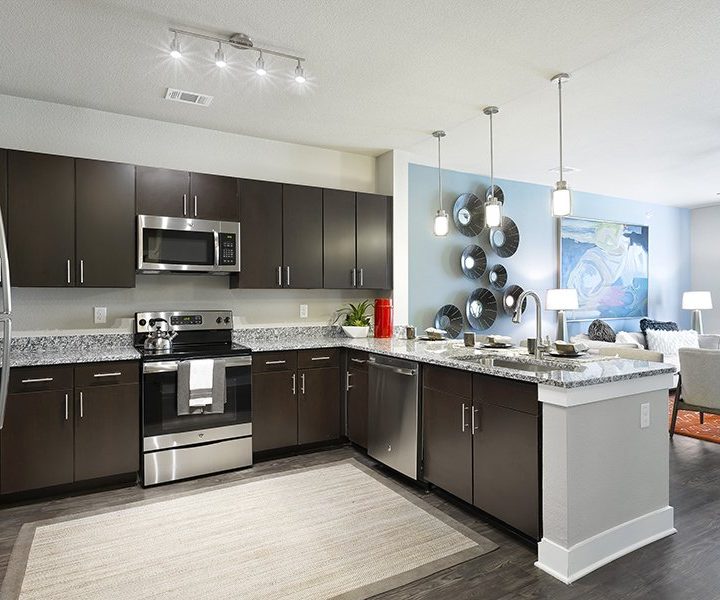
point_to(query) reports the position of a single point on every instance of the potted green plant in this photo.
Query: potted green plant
(355, 319)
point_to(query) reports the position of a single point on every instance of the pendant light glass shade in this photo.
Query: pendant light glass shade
(441, 225)
(493, 213)
(561, 200)
(493, 206)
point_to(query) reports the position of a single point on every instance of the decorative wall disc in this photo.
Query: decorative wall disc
(450, 319)
(473, 261)
(506, 238)
(497, 276)
(481, 309)
(469, 214)
(510, 299)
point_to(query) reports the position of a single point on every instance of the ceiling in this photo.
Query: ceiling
(641, 108)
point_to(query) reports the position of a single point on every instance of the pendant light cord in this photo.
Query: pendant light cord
(560, 128)
(492, 160)
(439, 176)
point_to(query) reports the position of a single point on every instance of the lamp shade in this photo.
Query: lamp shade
(561, 299)
(696, 300)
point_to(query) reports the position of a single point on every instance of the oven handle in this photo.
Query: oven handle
(168, 366)
(216, 241)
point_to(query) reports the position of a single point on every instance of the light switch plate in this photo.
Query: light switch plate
(303, 311)
(644, 415)
(100, 314)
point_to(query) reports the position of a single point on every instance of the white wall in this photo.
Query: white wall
(705, 260)
(60, 129)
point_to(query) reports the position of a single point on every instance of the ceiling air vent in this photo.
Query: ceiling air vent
(188, 97)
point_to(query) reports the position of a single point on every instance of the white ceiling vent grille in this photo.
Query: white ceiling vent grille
(188, 97)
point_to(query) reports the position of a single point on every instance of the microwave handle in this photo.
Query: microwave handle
(216, 237)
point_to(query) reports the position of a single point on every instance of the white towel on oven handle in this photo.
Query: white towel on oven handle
(201, 382)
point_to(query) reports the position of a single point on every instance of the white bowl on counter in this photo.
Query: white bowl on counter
(355, 331)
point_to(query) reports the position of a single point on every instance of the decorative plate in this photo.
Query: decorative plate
(450, 319)
(510, 299)
(469, 214)
(481, 309)
(567, 354)
(497, 276)
(473, 261)
(506, 238)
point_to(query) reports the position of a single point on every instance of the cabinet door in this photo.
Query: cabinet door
(107, 431)
(275, 410)
(357, 407)
(319, 405)
(213, 197)
(3, 185)
(447, 446)
(302, 237)
(41, 219)
(261, 233)
(374, 241)
(36, 443)
(162, 192)
(339, 239)
(105, 224)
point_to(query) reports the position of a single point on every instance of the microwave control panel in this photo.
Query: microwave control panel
(228, 249)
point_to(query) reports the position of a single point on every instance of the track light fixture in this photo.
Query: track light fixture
(237, 41)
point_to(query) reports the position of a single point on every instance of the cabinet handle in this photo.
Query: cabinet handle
(279, 276)
(294, 388)
(68, 271)
(184, 205)
(287, 276)
(472, 414)
(82, 271)
(354, 277)
(67, 407)
(115, 374)
(361, 278)
(37, 380)
(195, 200)
(358, 360)
(320, 358)
(81, 405)
(302, 383)
(464, 408)
(275, 362)
(348, 375)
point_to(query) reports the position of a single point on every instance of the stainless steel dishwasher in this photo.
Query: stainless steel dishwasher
(393, 413)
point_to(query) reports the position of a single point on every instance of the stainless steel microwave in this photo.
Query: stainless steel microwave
(187, 245)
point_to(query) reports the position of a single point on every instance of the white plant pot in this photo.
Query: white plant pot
(355, 331)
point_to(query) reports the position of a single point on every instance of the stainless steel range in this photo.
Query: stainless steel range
(179, 443)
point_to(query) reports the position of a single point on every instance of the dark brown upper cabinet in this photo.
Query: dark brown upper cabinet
(105, 224)
(261, 231)
(213, 197)
(3, 184)
(374, 241)
(302, 237)
(339, 259)
(41, 219)
(170, 193)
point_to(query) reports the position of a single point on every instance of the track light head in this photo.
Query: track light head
(260, 66)
(299, 73)
(220, 57)
(175, 47)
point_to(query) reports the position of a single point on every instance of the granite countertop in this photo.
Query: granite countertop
(562, 373)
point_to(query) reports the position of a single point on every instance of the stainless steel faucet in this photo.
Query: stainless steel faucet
(517, 316)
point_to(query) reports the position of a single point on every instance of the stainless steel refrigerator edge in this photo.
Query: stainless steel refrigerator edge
(394, 413)
(5, 317)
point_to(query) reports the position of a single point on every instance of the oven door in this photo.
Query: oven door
(164, 428)
(187, 245)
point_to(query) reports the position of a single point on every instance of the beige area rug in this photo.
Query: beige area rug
(335, 531)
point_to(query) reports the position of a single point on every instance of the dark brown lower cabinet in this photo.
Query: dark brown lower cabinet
(319, 405)
(36, 443)
(357, 407)
(107, 434)
(274, 413)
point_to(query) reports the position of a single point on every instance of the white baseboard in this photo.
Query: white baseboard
(570, 564)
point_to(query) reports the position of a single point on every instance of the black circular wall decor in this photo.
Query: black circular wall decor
(505, 239)
(469, 214)
(510, 299)
(473, 261)
(449, 318)
(497, 276)
(481, 309)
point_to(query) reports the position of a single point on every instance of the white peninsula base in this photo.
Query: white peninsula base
(605, 473)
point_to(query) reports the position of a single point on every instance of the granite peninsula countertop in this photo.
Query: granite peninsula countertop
(562, 373)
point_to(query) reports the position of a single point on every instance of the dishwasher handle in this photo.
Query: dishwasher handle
(398, 370)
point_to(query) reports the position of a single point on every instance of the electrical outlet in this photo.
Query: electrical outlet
(644, 415)
(100, 314)
(303, 311)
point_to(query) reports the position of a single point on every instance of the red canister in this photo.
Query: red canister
(383, 318)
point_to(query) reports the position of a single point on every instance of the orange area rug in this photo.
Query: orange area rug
(688, 423)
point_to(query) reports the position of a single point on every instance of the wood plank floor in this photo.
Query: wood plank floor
(683, 566)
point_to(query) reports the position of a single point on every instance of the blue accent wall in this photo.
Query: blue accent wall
(435, 277)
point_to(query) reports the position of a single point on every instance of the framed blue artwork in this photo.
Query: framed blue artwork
(607, 263)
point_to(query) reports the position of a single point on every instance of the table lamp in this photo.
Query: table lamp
(697, 301)
(561, 300)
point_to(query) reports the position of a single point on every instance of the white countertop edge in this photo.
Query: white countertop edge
(577, 396)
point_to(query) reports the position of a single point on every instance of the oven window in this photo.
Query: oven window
(160, 404)
(171, 247)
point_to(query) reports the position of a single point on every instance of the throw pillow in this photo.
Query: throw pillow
(646, 324)
(628, 339)
(669, 342)
(600, 331)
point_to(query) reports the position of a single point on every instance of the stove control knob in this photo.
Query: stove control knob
(218, 320)
(227, 320)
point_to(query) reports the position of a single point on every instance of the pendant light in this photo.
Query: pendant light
(441, 226)
(561, 198)
(493, 206)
